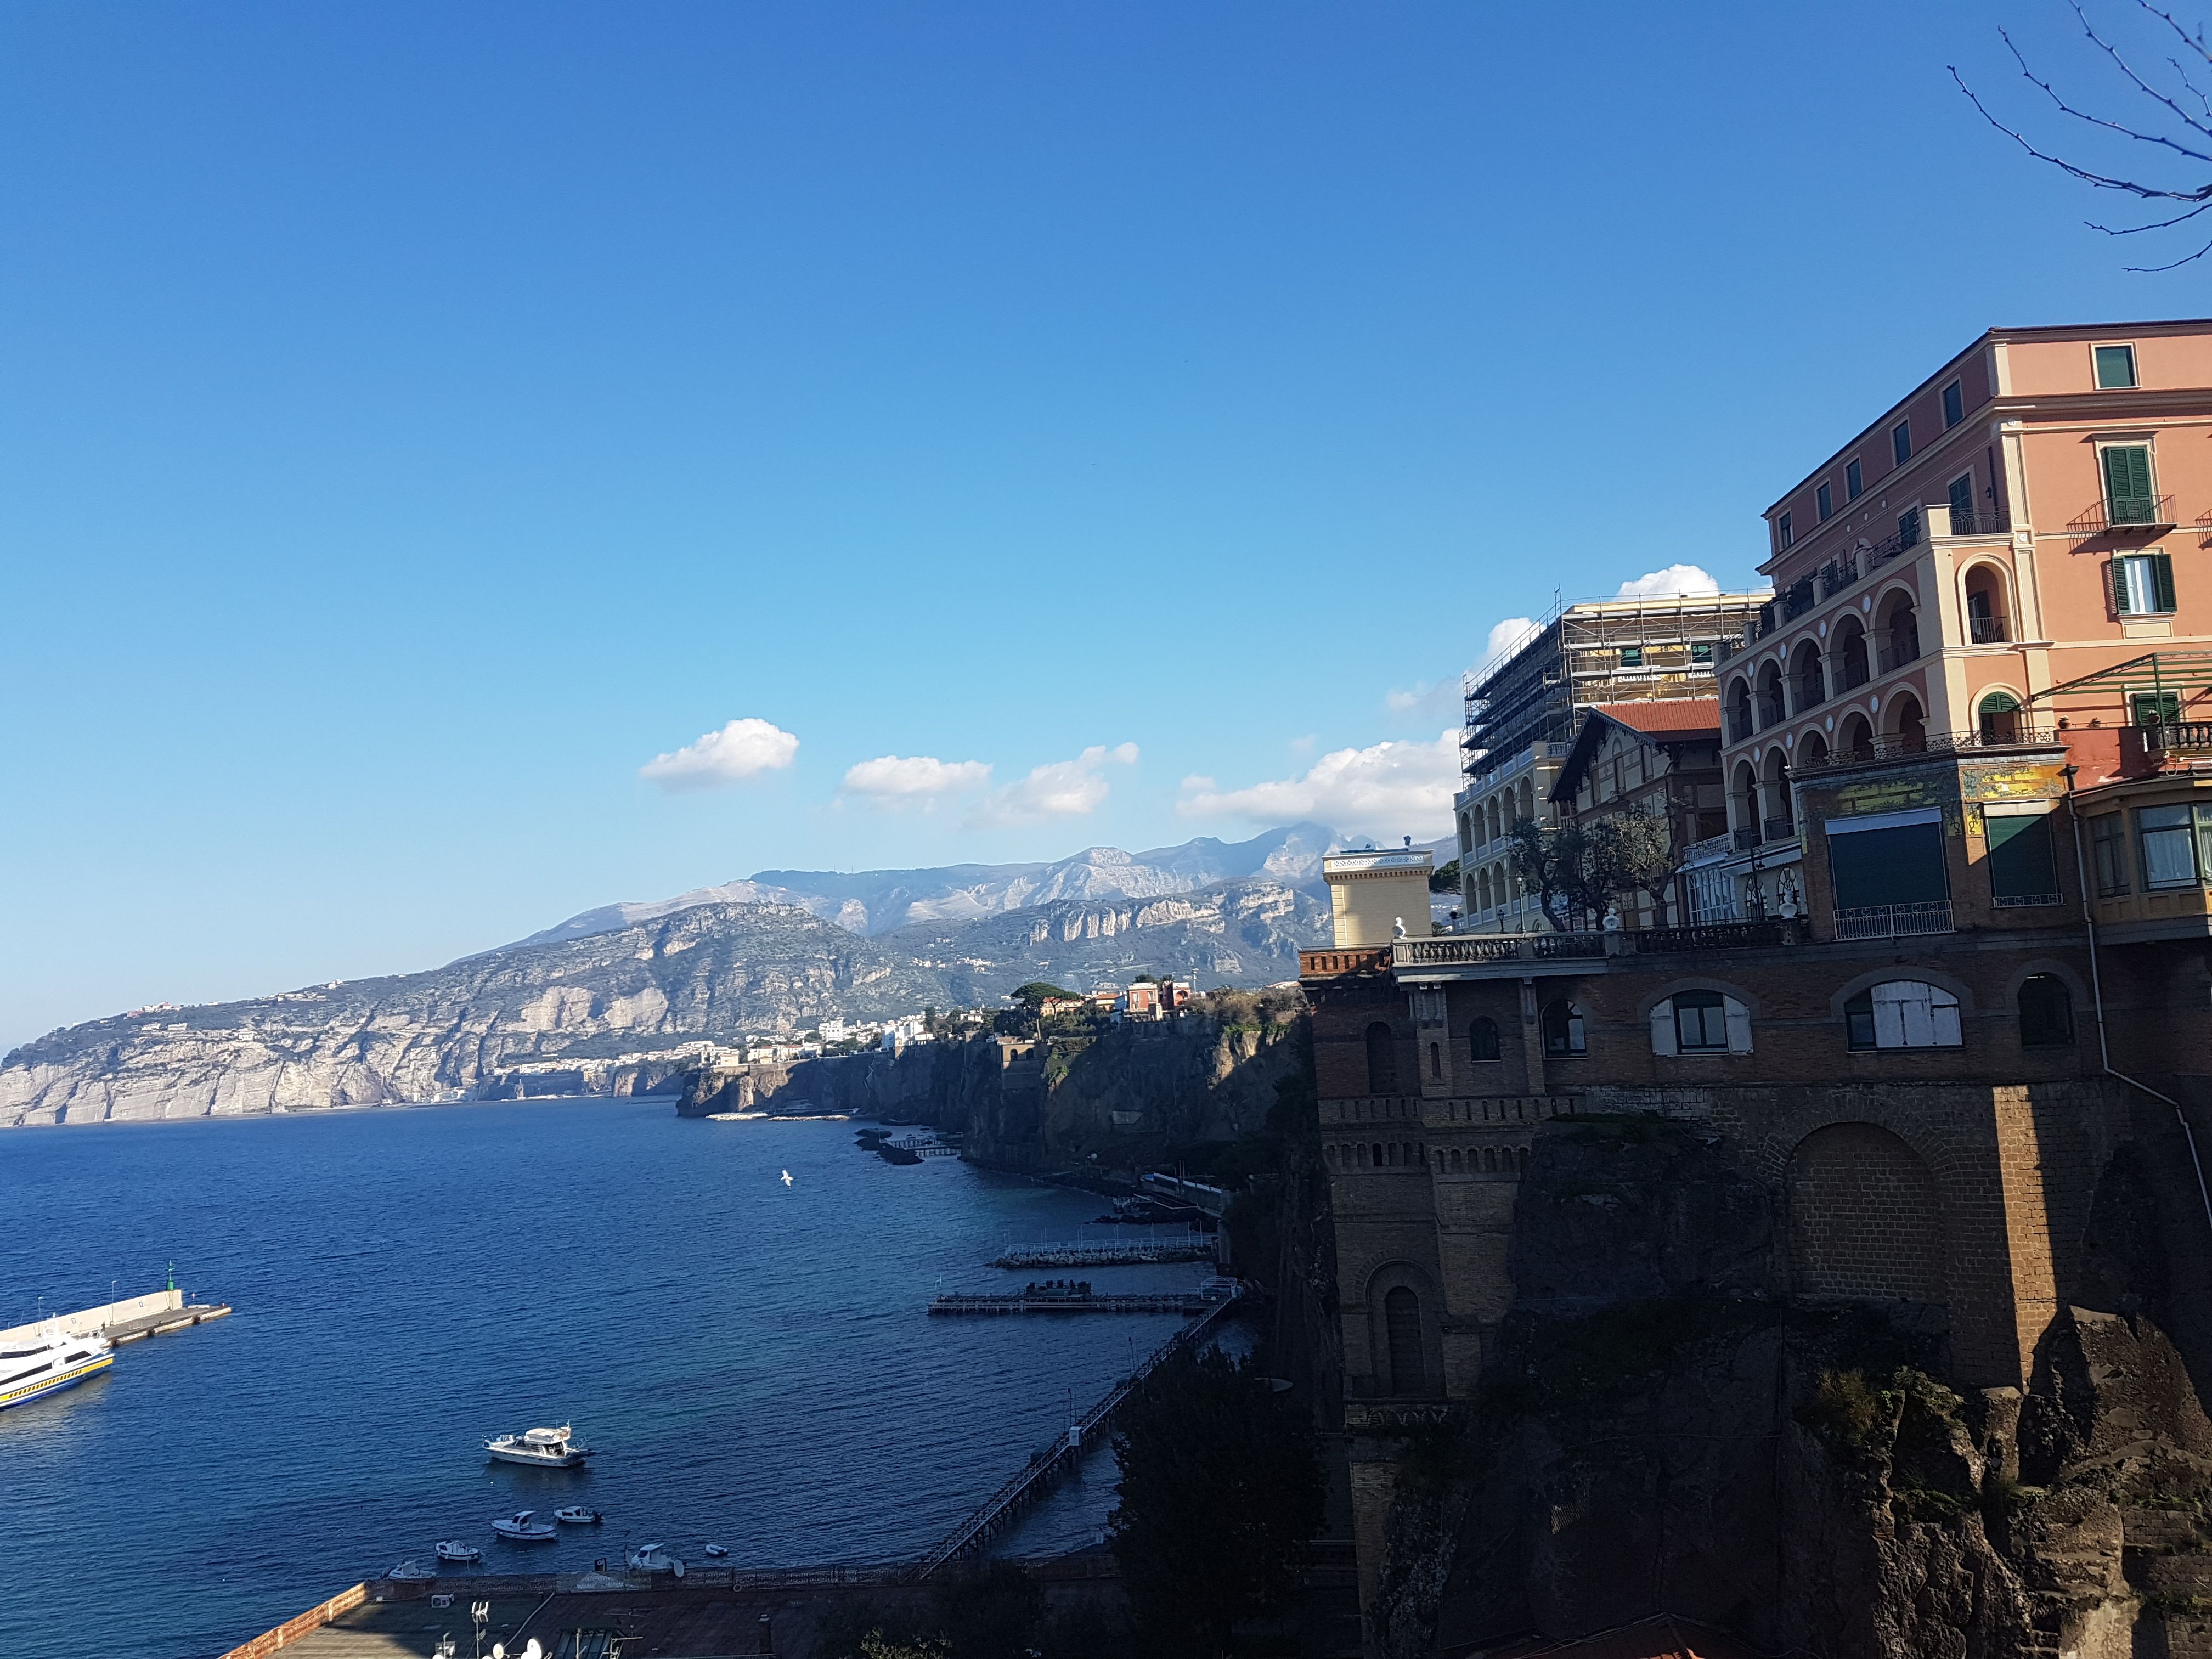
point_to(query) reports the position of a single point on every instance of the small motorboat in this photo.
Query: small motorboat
(540, 1449)
(575, 1514)
(519, 1529)
(411, 1572)
(460, 1554)
(655, 1558)
(716, 1551)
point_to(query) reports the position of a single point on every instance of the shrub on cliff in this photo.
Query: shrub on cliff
(1221, 1487)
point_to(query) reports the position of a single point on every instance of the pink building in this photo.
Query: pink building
(2017, 549)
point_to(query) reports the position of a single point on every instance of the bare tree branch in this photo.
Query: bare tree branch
(2141, 85)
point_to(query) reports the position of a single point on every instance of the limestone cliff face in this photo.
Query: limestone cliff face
(1051, 1104)
(705, 973)
(1656, 1433)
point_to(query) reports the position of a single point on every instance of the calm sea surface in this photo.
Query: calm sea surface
(750, 1358)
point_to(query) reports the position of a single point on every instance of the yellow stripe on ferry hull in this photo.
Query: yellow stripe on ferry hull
(31, 1391)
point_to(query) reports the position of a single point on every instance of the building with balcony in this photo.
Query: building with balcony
(2008, 529)
(1524, 708)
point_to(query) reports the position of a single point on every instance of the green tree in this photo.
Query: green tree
(1445, 879)
(1551, 864)
(1220, 1489)
(1038, 991)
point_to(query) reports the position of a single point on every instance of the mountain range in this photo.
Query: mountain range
(778, 952)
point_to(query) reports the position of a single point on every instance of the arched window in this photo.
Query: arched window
(1857, 737)
(1700, 1022)
(1809, 686)
(1745, 797)
(1907, 723)
(1382, 1060)
(1999, 714)
(1435, 1063)
(1985, 618)
(1401, 1329)
(1778, 821)
(1848, 650)
(1739, 724)
(2046, 1013)
(1812, 751)
(1563, 1030)
(1458, 1164)
(1903, 1014)
(1771, 709)
(1902, 627)
(1378, 1156)
(1482, 1039)
(1490, 1159)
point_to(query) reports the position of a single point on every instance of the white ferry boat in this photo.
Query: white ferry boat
(45, 1365)
(542, 1449)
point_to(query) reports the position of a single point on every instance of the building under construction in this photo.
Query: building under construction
(1597, 651)
(1524, 707)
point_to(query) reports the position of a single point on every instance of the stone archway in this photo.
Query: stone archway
(1866, 1221)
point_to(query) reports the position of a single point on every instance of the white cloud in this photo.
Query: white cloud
(1506, 636)
(1059, 789)
(895, 780)
(1427, 698)
(742, 749)
(1674, 579)
(1391, 789)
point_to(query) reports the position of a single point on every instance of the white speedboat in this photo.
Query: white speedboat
(44, 1365)
(654, 1558)
(576, 1514)
(411, 1572)
(460, 1554)
(542, 1449)
(519, 1529)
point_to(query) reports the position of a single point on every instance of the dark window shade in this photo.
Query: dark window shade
(2021, 862)
(1903, 865)
(1402, 1327)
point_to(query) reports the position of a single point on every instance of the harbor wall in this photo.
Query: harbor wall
(87, 1320)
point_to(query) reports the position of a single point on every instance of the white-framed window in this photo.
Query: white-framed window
(1700, 1022)
(2115, 366)
(2143, 584)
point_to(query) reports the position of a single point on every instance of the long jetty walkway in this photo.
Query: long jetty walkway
(1046, 1470)
(1021, 1302)
(1179, 1246)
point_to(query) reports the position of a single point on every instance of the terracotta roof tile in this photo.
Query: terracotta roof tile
(1667, 714)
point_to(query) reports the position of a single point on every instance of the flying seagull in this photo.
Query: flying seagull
(787, 1177)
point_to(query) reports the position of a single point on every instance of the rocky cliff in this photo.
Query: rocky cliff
(1212, 1075)
(704, 973)
(1656, 1435)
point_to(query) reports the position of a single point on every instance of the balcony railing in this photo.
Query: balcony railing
(1807, 691)
(2125, 514)
(1890, 547)
(1776, 828)
(1987, 630)
(1797, 599)
(1854, 673)
(1980, 521)
(1894, 920)
(1712, 846)
(1837, 574)
(1715, 936)
(1770, 711)
(1745, 838)
(1911, 748)
(2179, 737)
(2028, 900)
(1473, 950)
(1896, 656)
(1740, 726)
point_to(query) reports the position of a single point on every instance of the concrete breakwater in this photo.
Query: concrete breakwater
(126, 1320)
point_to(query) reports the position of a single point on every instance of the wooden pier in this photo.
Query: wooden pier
(1176, 1247)
(1021, 1302)
(1047, 1468)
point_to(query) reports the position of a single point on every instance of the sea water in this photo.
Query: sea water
(750, 1356)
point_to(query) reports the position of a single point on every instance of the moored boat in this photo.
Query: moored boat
(47, 1365)
(576, 1514)
(411, 1572)
(519, 1529)
(542, 1449)
(716, 1551)
(654, 1558)
(460, 1554)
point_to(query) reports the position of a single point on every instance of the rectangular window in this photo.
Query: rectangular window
(2129, 497)
(1854, 480)
(2169, 847)
(1954, 406)
(1781, 529)
(1888, 862)
(2142, 585)
(1632, 656)
(2022, 865)
(1908, 527)
(1700, 1021)
(1702, 650)
(2155, 707)
(1825, 499)
(1900, 441)
(1961, 492)
(2108, 847)
(2116, 367)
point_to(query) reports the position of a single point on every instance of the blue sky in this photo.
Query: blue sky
(416, 420)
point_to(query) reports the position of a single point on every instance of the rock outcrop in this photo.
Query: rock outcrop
(708, 973)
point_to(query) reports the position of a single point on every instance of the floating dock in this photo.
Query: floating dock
(1022, 1302)
(1176, 1247)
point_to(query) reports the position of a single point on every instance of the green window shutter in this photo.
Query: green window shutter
(2161, 576)
(2020, 862)
(2127, 483)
